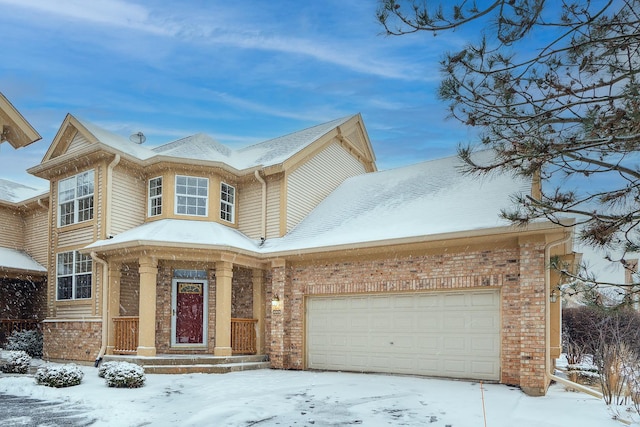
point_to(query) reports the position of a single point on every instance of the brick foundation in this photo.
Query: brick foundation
(72, 340)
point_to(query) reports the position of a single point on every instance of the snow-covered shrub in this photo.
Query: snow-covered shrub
(124, 375)
(28, 341)
(59, 375)
(105, 366)
(17, 362)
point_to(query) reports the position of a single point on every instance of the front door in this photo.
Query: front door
(189, 312)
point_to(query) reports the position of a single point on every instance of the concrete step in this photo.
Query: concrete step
(186, 359)
(219, 368)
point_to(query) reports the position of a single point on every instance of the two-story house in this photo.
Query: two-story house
(297, 249)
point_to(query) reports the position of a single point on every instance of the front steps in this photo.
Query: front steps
(193, 363)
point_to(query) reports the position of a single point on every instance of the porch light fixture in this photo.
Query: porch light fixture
(553, 297)
(276, 304)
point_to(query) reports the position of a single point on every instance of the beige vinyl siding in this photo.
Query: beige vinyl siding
(74, 311)
(78, 142)
(36, 235)
(273, 208)
(128, 201)
(309, 184)
(11, 229)
(77, 237)
(249, 209)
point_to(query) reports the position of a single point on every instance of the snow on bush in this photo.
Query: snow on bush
(123, 375)
(59, 375)
(28, 341)
(17, 362)
(105, 366)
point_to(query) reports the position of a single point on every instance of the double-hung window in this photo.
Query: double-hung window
(75, 198)
(155, 196)
(73, 276)
(192, 195)
(227, 202)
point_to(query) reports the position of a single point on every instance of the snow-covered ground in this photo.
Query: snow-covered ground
(293, 398)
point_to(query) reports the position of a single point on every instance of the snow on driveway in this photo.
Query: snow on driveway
(294, 398)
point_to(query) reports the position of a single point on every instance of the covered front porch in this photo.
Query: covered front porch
(204, 304)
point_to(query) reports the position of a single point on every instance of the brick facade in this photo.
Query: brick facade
(72, 340)
(517, 269)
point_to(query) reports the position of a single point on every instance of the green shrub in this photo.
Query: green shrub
(17, 362)
(59, 375)
(28, 341)
(124, 375)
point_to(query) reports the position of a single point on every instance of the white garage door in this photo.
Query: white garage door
(448, 334)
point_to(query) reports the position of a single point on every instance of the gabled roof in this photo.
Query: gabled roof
(16, 260)
(14, 127)
(14, 192)
(199, 147)
(432, 198)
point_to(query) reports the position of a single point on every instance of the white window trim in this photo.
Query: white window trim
(151, 198)
(176, 195)
(73, 275)
(233, 205)
(75, 199)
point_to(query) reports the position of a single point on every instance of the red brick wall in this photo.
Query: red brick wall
(71, 340)
(242, 293)
(518, 271)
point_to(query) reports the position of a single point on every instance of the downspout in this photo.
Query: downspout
(263, 226)
(105, 305)
(547, 298)
(105, 266)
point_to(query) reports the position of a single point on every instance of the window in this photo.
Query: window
(75, 199)
(73, 276)
(227, 201)
(155, 196)
(192, 195)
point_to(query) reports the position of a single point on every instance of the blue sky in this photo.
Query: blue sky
(242, 72)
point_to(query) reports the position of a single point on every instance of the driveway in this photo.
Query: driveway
(26, 411)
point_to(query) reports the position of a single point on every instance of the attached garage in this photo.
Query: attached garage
(445, 334)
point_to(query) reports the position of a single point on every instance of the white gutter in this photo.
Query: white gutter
(547, 338)
(107, 213)
(263, 226)
(105, 305)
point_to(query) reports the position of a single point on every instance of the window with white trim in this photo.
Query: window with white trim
(73, 276)
(75, 199)
(192, 195)
(155, 196)
(227, 202)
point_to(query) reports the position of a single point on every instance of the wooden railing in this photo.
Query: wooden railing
(126, 335)
(243, 336)
(9, 325)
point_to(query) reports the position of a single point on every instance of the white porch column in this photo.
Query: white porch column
(147, 306)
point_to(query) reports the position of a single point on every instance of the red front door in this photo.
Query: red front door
(189, 327)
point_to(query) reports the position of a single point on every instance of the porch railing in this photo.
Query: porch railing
(126, 335)
(243, 336)
(9, 325)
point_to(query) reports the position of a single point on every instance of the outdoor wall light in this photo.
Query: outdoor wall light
(553, 297)
(276, 304)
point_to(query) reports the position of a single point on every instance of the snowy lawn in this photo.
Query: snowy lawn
(293, 398)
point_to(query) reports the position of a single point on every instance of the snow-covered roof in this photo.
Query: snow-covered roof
(179, 231)
(426, 199)
(203, 147)
(13, 259)
(14, 192)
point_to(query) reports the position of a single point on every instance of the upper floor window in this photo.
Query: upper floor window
(75, 198)
(227, 202)
(73, 276)
(155, 196)
(192, 195)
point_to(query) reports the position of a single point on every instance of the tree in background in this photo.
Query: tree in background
(553, 89)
